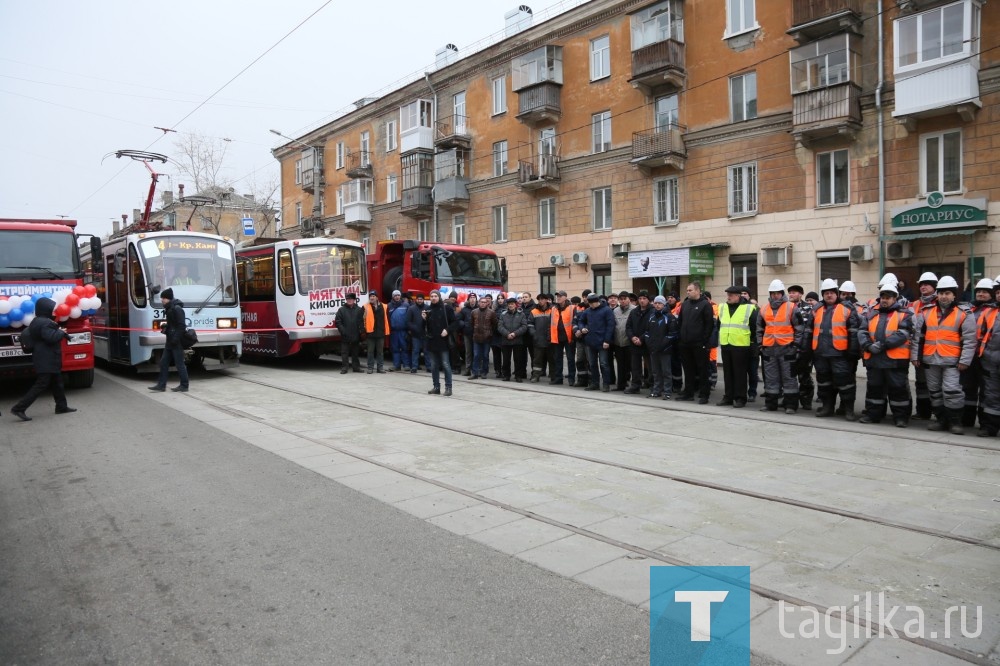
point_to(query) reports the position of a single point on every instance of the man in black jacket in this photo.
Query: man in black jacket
(639, 352)
(348, 321)
(465, 317)
(439, 323)
(697, 324)
(173, 350)
(415, 325)
(46, 355)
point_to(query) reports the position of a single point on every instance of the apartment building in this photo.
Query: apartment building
(640, 145)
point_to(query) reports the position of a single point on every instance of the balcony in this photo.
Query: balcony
(452, 193)
(452, 132)
(826, 112)
(658, 67)
(307, 175)
(359, 165)
(358, 197)
(815, 18)
(307, 180)
(539, 103)
(417, 202)
(937, 91)
(541, 173)
(659, 147)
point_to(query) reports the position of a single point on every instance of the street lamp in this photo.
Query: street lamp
(316, 214)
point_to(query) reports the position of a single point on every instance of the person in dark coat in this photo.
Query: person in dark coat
(697, 322)
(596, 329)
(659, 332)
(349, 323)
(465, 318)
(173, 350)
(415, 326)
(484, 323)
(46, 355)
(539, 332)
(639, 353)
(440, 322)
(399, 337)
(511, 326)
(886, 356)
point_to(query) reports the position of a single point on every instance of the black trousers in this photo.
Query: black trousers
(640, 360)
(891, 383)
(520, 361)
(623, 366)
(43, 381)
(971, 380)
(694, 359)
(350, 355)
(735, 362)
(835, 375)
(497, 359)
(540, 360)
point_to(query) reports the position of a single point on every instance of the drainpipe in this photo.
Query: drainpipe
(881, 151)
(434, 115)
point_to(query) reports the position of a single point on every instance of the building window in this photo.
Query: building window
(458, 109)
(600, 58)
(666, 201)
(546, 281)
(602, 279)
(499, 224)
(601, 124)
(391, 188)
(423, 229)
(743, 96)
(941, 162)
(547, 217)
(824, 63)
(743, 190)
(390, 136)
(832, 178)
(298, 213)
(340, 155)
(391, 233)
(499, 95)
(415, 115)
(602, 209)
(366, 146)
(834, 264)
(938, 35)
(539, 66)
(458, 230)
(298, 172)
(340, 201)
(499, 158)
(656, 24)
(741, 16)
(366, 241)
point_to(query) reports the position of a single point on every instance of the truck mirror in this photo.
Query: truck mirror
(503, 270)
(95, 249)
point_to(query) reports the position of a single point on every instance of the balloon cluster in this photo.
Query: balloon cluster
(18, 311)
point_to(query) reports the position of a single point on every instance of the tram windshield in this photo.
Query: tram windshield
(201, 271)
(467, 268)
(329, 267)
(38, 255)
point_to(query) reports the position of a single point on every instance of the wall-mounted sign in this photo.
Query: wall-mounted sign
(939, 212)
(676, 262)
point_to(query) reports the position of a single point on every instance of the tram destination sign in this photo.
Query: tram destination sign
(939, 212)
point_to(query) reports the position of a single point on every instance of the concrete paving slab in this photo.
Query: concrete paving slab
(637, 531)
(379, 477)
(343, 470)
(305, 452)
(520, 535)
(897, 651)
(516, 495)
(715, 552)
(626, 578)
(474, 519)
(573, 555)
(577, 514)
(401, 490)
(436, 504)
(811, 648)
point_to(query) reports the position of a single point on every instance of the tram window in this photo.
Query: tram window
(256, 276)
(137, 278)
(286, 277)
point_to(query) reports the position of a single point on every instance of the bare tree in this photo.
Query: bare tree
(265, 209)
(200, 158)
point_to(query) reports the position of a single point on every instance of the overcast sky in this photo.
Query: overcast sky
(81, 80)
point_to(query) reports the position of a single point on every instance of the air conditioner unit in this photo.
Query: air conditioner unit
(776, 256)
(557, 260)
(580, 257)
(861, 253)
(620, 248)
(898, 250)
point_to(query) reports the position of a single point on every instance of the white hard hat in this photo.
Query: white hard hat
(927, 277)
(985, 283)
(947, 282)
(888, 278)
(997, 281)
(891, 287)
(848, 287)
(829, 284)
(776, 285)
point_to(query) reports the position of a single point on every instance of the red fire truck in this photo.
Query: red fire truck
(40, 258)
(420, 266)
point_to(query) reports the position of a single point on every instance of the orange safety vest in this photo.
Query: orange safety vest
(778, 330)
(838, 327)
(898, 353)
(984, 327)
(944, 337)
(370, 319)
(713, 353)
(563, 317)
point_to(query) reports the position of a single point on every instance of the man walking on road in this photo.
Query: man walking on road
(176, 323)
(46, 356)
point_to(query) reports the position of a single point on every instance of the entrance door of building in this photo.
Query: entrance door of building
(744, 272)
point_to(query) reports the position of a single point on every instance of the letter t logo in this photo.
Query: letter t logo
(701, 610)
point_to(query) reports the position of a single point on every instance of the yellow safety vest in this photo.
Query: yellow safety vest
(735, 330)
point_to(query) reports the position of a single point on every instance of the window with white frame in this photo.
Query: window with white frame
(941, 162)
(390, 136)
(298, 172)
(743, 190)
(825, 62)
(666, 201)
(499, 224)
(600, 57)
(458, 109)
(366, 146)
(741, 16)
(832, 178)
(391, 188)
(340, 155)
(499, 158)
(601, 126)
(937, 36)
(340, 202)
(743, 96)
(656, 24)
(391, 233)
(416, 114)
(602, 209)
(423, 229)
(499, 95)
(298, 213)
(366, 241)
(458, 229)
(547, 217)
(357, 191)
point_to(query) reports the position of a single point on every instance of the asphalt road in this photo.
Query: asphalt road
(132, 534)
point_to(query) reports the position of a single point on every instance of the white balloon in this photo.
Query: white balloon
(60, 296)
(62, 318)
(15, 302)
(17, 324)
(95, 303)
(27, 319)
(5, 307)
(75, 313)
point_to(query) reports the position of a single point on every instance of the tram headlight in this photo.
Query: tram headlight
(79, 339)
(225, 322)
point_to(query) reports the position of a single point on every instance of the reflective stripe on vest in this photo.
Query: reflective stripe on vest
(898, 353)
(778, 330)
(838, 327)
(564, 316)
(944, 337)
(984, 327)
(734, 330)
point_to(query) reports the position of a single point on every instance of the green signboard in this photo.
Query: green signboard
(939, 212)
(702, 261)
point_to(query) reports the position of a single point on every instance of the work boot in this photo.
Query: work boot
(937, 426)
(849, 413)
(956, 428)
(825, 410)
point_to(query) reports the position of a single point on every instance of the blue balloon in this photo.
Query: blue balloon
(35, 297)
(47, 294)
(28, 307)
(4, 321)
(15, 315)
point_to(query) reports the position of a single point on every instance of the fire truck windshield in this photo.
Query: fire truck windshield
(457, 267)
(201, 271)
(38, 255)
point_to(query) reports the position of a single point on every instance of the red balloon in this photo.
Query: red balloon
(62, 310)
(79, 291)
(73, 299)
(90, 291)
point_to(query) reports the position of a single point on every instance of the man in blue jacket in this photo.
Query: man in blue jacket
(399, 335)
(596, 329)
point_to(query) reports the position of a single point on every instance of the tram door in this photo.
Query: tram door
(115, 272)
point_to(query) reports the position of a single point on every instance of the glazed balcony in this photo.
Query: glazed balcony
(359, 165)
(659, 147)
(816, 18)
(358, 197)
(540, 173)
(659, 67)
(539, 103)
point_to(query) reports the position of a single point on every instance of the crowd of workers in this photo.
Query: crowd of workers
(672, 348)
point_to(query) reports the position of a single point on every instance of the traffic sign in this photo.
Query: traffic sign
(248, 229)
